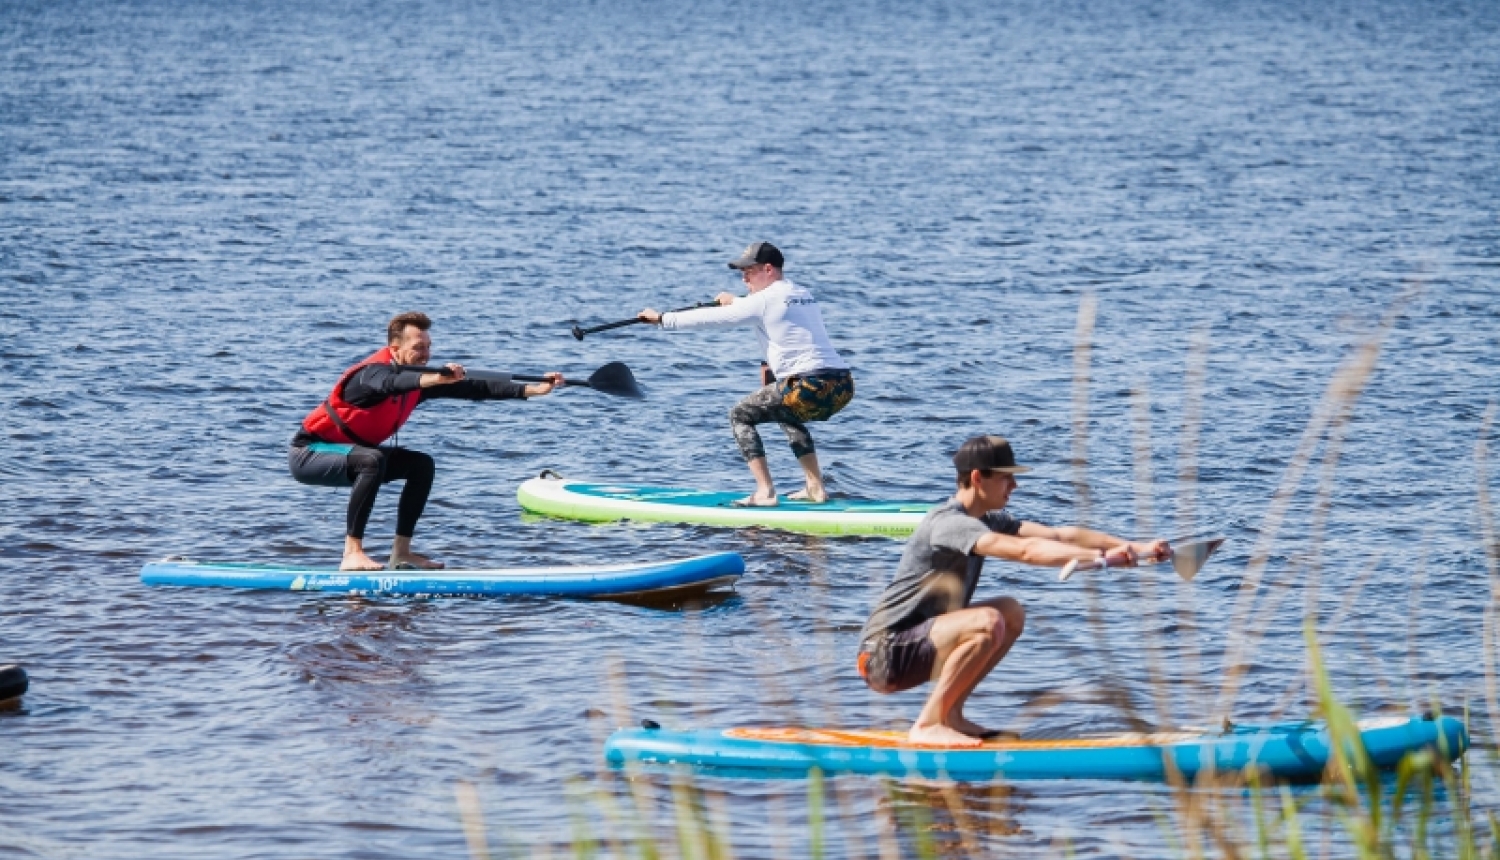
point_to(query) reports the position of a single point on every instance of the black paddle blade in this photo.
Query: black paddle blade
(615, 378)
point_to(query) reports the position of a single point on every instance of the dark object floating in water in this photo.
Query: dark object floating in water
(13, 683)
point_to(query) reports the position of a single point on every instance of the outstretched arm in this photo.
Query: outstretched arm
(537, 389)
(1054, 547)
(1091, 539)
(732, 310)
(491, 389)
(376, 382)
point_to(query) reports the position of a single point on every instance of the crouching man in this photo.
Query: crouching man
(925, 627)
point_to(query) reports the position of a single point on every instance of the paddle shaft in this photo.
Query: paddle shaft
(1073, 567)
(580, 332)
(568, 382)
(487, 375)
(1205, 548)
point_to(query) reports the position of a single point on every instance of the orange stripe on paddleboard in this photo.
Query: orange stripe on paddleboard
(897, 740)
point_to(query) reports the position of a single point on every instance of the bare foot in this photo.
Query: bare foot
(415, 559)
(756, 501)
(359, 561)
(811, 497)
(940, 736)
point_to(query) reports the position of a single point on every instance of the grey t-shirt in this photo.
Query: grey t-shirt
(937, 573)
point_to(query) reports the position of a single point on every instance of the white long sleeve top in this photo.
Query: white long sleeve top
(786, 319)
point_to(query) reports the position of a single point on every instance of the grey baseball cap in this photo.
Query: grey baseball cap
(755, 255)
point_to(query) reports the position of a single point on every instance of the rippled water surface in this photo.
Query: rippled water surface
(208, 210)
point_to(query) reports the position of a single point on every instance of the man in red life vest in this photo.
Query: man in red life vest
(340, 443)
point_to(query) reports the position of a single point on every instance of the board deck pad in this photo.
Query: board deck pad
(609, 502)
(712, 499)
(1285, 750)
(647, 579)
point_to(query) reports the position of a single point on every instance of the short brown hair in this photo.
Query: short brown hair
(965, 477)
(397, 326)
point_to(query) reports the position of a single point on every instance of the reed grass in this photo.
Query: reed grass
(1426, 808)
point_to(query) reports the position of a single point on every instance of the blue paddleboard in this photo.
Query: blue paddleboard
(651, 579)
(1289, 751)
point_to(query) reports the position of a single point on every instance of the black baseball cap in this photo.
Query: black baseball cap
(755, 255)
(987, 453)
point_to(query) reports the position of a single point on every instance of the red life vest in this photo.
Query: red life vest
(338, 420)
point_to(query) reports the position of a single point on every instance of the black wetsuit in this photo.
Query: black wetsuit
(325, 464)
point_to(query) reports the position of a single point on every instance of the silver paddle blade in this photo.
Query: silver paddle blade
(1188, 558)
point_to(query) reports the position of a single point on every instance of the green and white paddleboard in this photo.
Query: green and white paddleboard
(554, 496)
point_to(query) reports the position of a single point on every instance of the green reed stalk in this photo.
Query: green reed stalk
(614, 821)
(1413, 769)
(815, 812)
(1258, 808)
(585, 846)
(1492, 562)
(917, 821)
(690, 840)
(1169, 829)
(1349, 762)
(1294, 847)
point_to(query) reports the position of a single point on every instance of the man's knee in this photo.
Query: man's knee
(422, 465)
(1013, 614)
(366, 461)
(989, 625)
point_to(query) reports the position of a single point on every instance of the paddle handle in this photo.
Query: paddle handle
(580, 332)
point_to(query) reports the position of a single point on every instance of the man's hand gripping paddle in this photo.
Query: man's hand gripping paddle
(580, 332)
(613, 378)
(1186, 559)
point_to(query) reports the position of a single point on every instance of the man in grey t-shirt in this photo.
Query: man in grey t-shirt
(924, 628)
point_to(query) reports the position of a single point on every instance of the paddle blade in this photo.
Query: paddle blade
(615, 378)
(1189, 558)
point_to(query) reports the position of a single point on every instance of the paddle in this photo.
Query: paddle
(613, 378)
(580, 332)
(1186, 559)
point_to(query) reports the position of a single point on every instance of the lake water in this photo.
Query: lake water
(209, 210)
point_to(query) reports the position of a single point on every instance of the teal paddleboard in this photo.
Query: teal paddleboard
(1287, 751)
(553, 496)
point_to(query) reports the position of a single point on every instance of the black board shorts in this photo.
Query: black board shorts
(898, 660)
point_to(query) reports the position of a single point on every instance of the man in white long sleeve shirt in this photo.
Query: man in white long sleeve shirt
(812, 382)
